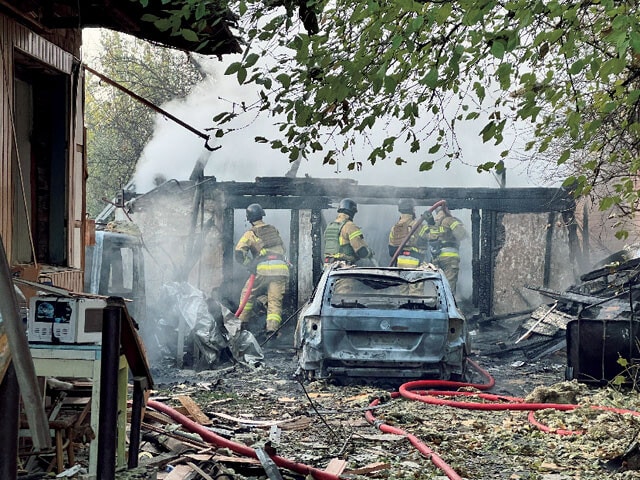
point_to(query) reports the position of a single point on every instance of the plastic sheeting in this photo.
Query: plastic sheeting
(207, 324)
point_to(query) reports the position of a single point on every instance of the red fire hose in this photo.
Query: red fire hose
(211, 437)
(247, 294)
(413, 230)
(409, 391)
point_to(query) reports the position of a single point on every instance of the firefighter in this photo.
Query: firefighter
(343, 239)
(445, 237)
(416, 249)
(262, 251)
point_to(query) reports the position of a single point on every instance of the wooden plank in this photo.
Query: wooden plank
(194, 410)
(336, 466)
(180, 472)
(371, 468)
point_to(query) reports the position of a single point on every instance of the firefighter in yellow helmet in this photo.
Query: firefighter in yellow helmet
(416, 249)
(262, 251)
(343, 239)
(445, 237)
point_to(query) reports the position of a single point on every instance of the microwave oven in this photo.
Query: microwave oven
(54, 319)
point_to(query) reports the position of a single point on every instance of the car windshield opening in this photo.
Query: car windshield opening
(384, 293)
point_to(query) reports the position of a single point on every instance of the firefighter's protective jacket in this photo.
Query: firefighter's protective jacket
(449, 231)
(261, 249)
(343, 240)
(415, 249)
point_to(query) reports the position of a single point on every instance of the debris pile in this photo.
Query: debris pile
(597, 315)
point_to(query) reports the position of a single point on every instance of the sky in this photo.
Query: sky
(173, 151)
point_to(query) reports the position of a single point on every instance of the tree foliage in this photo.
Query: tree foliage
(569, 68)
(118, 126)
(420, 71)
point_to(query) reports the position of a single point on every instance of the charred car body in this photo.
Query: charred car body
(382, 322)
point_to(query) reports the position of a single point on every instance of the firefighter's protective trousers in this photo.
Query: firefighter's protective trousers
(449, 261)
(274, 287)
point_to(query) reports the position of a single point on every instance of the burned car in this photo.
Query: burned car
(382, 322)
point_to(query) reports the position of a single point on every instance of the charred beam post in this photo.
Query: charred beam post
(487, 260)
(475, 255)
(227, 254)
(294, 253)
(139, 385)
(316, 239)
(546, 278)
(575, 255)
(586, 248)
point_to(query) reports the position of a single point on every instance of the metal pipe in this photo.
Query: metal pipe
(152, 106)
(108, 415)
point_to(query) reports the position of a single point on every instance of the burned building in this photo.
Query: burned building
(518, 235)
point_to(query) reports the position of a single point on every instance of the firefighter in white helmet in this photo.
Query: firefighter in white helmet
(261, 249)
(445, 237)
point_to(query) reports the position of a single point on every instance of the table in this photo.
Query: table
(84, 361)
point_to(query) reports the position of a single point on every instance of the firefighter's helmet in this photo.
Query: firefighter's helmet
(348, 206)
(406, 205)
(255, 212)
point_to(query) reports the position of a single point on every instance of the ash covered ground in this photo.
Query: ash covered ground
(320, 423)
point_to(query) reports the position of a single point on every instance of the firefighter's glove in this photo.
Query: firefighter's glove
(428, 218)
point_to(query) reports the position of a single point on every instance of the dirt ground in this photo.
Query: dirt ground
(323, 425)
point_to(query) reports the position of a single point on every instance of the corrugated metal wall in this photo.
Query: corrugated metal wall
(14, 36)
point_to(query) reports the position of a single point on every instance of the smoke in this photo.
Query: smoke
(173, 150)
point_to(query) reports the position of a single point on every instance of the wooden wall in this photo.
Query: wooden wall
(58, 49)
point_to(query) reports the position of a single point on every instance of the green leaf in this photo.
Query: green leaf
(233, 68)
(426, 166)
(242, 75)
(497, 49)
(618, 380)
(201, 10)
(189, 35)
(251, 60)
(284, 79)
(564, 157)
(261, 140)
(623, 362)
(431, 78)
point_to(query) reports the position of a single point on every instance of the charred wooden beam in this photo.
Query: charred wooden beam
(316, 242)
(486, 264)
(294, 253)
(227, 256)
(546, 276)
(284, 192)
(475, 255)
